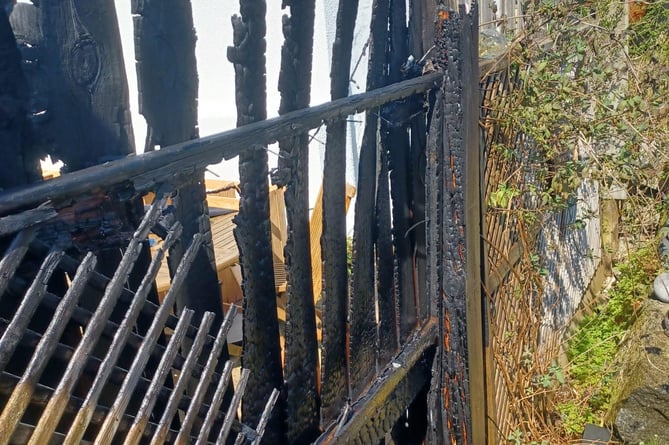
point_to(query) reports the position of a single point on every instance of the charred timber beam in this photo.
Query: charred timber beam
(262, 351)
(150, 169)
(375, 412)
(334, 373)
(301, 348)
(363, 333)
(458, 393)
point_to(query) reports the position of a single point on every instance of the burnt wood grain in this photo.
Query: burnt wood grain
(168, 85)
(16, 167)
(334, 375)
(80, 110)
(301, 347)
(262, 351)
(459, 389)
(363, 333)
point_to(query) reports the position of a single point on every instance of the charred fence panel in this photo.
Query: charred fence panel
(54, 381)
(379, 344)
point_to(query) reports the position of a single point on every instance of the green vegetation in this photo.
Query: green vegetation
(592, 348)
(591, 103)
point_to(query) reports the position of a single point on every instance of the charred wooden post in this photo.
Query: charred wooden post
(80, 112)
(364, 338)
(335, 383)
(421, 38)
(301, 349)
(261, 326)
(395, 160)
(164, 34)
(16, 167)
(454, 211)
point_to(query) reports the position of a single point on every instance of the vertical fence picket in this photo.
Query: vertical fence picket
(334, 371)
(301, 346)
(363, 334)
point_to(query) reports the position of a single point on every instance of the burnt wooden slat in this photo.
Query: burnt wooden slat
(363, 334)
(13, 256)
(215, 403)
(395, 141)
(120, 339)
(155, 330)
(421, 18)
(162, 372)
(385, 262)
(335, 383)
(54, 409)
(22, 316)
(434, 239)
(301, 347)
(178, 391)
(20, 398)
(14, 223)
(164, 33)
(459, 387)
(262, 424)
(234, 405)
(262, 351)
(150, 169)
(206, 376)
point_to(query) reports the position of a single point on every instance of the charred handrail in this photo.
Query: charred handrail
(151, 168)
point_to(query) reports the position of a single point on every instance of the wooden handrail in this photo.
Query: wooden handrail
(152, 168)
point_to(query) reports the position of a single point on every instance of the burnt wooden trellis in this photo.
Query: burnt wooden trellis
(372, 374)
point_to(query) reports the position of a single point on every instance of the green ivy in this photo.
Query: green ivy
(594, 345)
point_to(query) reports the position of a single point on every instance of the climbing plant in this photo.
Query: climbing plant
(591, 103)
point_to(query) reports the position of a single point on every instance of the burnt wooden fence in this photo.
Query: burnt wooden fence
(87, 354)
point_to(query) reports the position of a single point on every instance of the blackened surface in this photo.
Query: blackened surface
(261, 328)
(164, 34)
(453, 365)
(79, 96)
(434, 236)
(301, 350)
(385, 262)
(421, 26)
(166, 67)
(14, 171)
(334, 386)
(396, 142)
(363, 335)
(421, 16)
